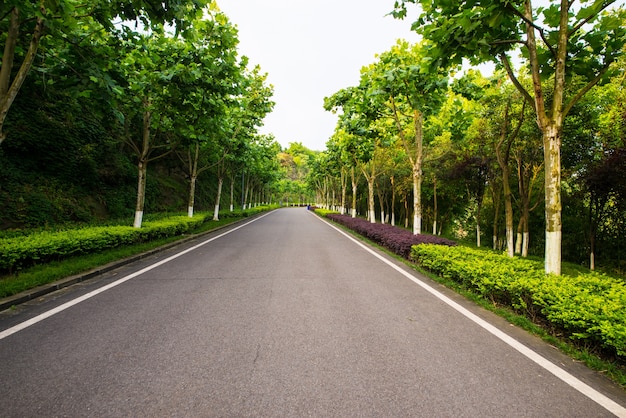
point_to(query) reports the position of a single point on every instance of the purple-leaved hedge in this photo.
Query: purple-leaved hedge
(397, 240)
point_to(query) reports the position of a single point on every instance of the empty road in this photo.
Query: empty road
(283, 316)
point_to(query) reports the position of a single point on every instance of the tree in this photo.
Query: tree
(413, 91)
(27, 23)
(357, 119)
(565, 39)
(169, 82)
(209, 77)
(240, 124)
(500, 121)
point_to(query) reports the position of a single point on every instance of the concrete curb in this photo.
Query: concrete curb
(27, 295)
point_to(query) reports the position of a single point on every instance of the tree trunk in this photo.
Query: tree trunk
(478, 215)
(192, 195)
(525, 240)
(344, 192)
(245, 193)
(8, 91)
(393, 201)
(232, 194)
(216, 213)
(502, 156)
(508, 210)
(142, 167)
(434, 205)
(496, 216)
(418, 119)
(552, 159)
(193, 176)
(526, 181)
(417, 199)
(354, 191)
(406, 212)
(381, 203)
(518, 240)
(371, 210)
(370, 197)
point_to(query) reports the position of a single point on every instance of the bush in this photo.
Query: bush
(45, 246)
(588, 307)
(396, 240)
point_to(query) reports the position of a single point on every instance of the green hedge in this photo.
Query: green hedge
(42, 247)
(588, 307)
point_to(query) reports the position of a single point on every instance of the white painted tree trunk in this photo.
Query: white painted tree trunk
(525, 243)
(552, 160)
(435, 212)
(418, 120)
(354, 190)
(192, 195)
(138, 219)
(417, 198)
(216, 212)
(141, 193)
(371, 213)
(232, 194)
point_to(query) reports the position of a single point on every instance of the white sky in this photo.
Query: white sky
(311, 49)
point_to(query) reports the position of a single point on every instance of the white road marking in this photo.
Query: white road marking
(566, 377)
(60, 308)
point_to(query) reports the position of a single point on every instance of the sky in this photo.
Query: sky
(310, 50)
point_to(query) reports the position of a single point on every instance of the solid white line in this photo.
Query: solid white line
(566, 377)
(60, 308)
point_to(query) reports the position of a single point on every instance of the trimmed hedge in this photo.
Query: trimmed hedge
(42, 247)
(396, 240)
(589, 307)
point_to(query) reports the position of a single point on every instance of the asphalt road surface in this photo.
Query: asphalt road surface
(284, 316)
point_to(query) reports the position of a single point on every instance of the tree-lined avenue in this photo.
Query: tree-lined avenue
(283, 316)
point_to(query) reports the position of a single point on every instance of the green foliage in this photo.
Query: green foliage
(588, 307)
(45, 246)
(324, 212)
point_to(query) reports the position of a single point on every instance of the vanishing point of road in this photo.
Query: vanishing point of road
(281, 316)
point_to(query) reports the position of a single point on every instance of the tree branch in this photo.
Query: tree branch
(585, 89)
(588, 18)
(507, 65)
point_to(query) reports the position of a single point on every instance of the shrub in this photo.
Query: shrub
(45, 246)
(396, 240)
(589, 307)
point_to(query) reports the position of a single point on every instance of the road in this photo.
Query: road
(284, 316)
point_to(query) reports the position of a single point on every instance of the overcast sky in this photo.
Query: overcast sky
(311, 49)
